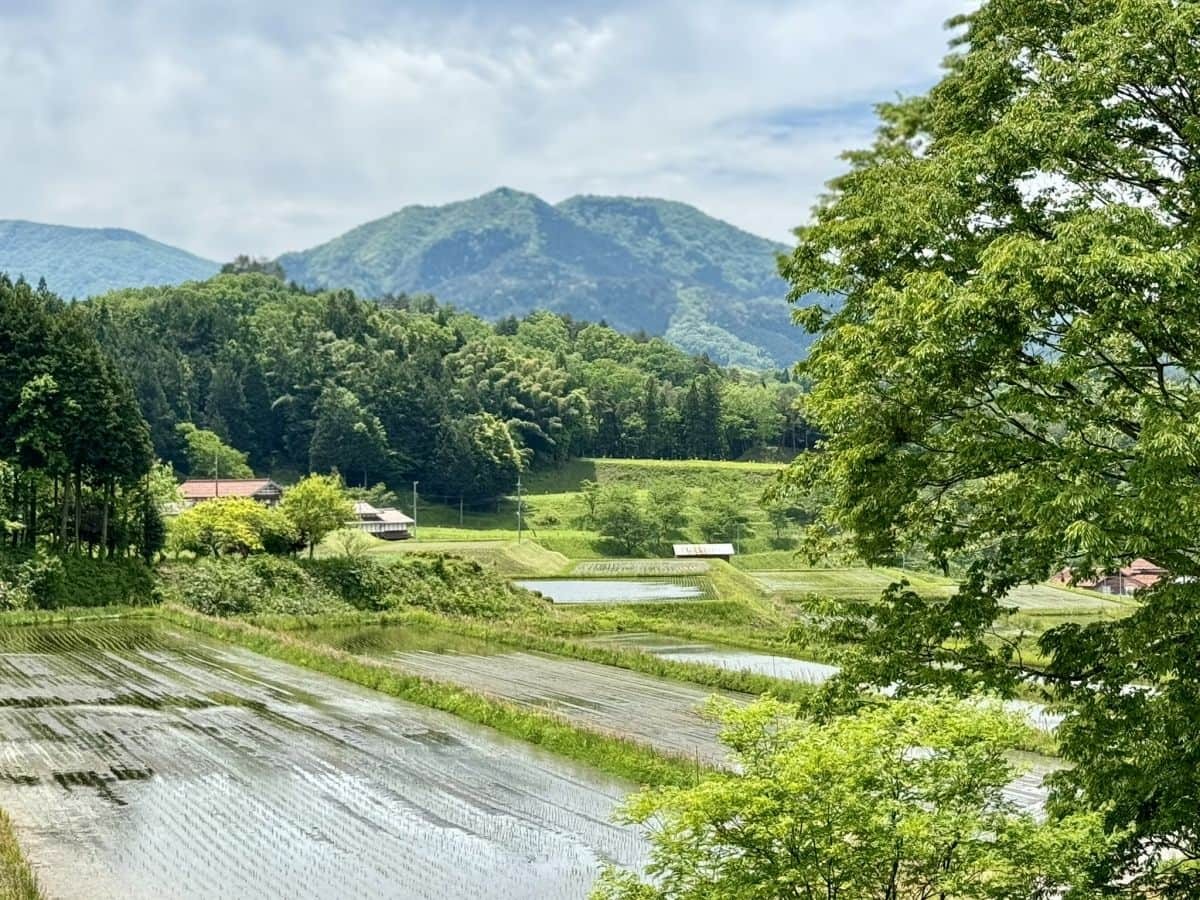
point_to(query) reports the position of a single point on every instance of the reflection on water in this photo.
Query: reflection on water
(605, 590)
(140, 762)
(738, 660)
(731, 658)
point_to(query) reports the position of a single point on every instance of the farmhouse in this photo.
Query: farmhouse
(389, 524)
(703, 551)
(197, 490)
(1141, 573)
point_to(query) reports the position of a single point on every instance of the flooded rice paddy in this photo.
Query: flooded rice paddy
(659, 712)
(613, 590)
(731, 658)
(139, 761)
(736, 659)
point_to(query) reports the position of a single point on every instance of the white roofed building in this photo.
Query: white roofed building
(386, 523)
(703, 551)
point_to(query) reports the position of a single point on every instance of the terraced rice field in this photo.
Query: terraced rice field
(613, 590)
(861, 583)
(732, 658)
(736, 659)
(659, 712)
(138, 761)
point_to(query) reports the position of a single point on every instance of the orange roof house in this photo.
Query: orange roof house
(1139, 574)
(197, 490)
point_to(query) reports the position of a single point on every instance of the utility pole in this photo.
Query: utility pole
(518, 509)
(415, 483)
(217, 472)
(460, 510)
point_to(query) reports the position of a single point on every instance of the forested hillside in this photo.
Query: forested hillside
(638, 264)
(81, 262)
(409, 389)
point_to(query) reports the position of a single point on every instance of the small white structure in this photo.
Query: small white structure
(703, 551)
(388, 524)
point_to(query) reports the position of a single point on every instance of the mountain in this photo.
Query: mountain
(639, 264)
(81, 262)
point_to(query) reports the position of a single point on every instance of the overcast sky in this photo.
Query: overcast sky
(235, 126)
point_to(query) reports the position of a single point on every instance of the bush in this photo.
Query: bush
(267, 584)
(260, 584)
(362, 583)
(215, 588)
(45, 581)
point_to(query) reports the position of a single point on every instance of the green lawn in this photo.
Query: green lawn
(862, 583)
(554, 507)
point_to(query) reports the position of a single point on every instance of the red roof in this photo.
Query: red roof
(207, 488)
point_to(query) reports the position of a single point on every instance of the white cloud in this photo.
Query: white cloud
(225, 129)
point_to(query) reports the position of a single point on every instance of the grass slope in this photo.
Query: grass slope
(554, 505)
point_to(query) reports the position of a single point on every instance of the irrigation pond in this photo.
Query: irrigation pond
(617, 590)
(141, 761)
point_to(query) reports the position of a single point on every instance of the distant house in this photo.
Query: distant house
(388, 524)
(197, 490)
(703, 551)
(1141, 573)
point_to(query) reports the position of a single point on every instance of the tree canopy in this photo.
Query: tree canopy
(901, 801)
(303, 381)
(317, 505)
(1007, 376)
(74, 449)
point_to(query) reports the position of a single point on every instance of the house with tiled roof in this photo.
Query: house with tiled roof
(1139, 574)
(197, 490)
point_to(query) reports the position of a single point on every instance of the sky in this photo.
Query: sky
(233, 126)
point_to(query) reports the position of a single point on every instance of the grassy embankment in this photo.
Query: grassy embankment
(17, 881)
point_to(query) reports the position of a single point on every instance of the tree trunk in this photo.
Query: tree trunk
(66, 505)
(104, 521)
(78, 505)
(31, 538)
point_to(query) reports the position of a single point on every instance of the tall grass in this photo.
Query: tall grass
(17, 881)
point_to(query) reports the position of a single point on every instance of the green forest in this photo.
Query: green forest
(407, 389)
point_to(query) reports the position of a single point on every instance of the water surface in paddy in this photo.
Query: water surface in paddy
(143, 762)
(611, 590)
(738, 660)
(732, 658)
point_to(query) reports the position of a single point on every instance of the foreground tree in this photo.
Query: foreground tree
(317, 505)
(901, 801)
(1012, 378)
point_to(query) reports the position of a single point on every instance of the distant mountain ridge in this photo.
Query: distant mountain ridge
(641, 264)
(638, 263)
(83, 262)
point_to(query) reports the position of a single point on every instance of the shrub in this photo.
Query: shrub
(214, 587)
(46, 581)
(260, 584)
